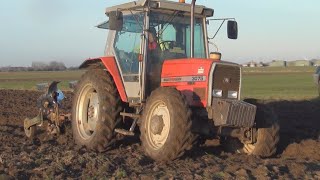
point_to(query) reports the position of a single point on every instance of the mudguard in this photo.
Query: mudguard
(111, 65)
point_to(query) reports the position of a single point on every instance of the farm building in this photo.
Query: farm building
(299, 63)
(315, 62)
(278, 63)
(250, 64)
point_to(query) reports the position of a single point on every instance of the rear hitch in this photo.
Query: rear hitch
(48, 105)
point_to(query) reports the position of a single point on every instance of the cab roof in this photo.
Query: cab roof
(161, 5)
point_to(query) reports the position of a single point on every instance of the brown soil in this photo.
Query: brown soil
(59, 158)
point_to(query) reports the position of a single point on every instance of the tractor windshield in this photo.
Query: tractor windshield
(173, 35)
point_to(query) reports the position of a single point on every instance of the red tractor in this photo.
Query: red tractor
(157, 75)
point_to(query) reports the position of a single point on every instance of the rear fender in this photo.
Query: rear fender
(110, 64)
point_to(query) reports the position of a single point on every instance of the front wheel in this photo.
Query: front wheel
(267, 132)
(166, 125)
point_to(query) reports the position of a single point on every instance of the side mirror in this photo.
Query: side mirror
(232, 30)
(116, 20)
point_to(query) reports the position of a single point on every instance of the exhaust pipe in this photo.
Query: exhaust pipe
(193, 5)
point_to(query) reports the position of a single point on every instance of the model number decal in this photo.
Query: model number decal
(198, 78)
(184, 79)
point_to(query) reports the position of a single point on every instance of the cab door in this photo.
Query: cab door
(126, 47)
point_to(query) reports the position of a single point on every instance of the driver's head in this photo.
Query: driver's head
(152, 34)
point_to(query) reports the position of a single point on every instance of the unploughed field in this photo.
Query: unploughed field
(290, 92)
(260, 83)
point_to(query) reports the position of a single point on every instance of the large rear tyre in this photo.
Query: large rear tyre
(166, 125)
(96, 110)
(267, 131)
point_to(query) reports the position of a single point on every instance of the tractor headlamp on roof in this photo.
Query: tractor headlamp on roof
(208, 12)
(153, 4)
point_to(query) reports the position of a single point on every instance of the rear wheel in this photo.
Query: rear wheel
(96, 110)
(166, 125)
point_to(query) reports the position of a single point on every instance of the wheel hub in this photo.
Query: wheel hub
(157, 125)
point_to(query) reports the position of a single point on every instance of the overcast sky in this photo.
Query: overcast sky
(64, 30)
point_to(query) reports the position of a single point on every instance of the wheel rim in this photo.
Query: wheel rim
(158, 125)
(87, 111)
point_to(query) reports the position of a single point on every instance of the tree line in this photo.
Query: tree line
(39, 66)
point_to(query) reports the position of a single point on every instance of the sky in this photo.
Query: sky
(60, 30)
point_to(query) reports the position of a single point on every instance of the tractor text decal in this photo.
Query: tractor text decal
(184, 79)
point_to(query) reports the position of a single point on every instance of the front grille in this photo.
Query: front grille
(233, 113)
(226, 78)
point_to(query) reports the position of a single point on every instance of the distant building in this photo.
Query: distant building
(262, 64)
(278, 63)
(299, 63)
(250, 64)
(315, 62)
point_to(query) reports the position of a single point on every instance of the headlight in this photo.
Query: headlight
(217, 93)
(232, 94)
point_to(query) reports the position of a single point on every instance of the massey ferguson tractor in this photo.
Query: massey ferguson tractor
(158, 78)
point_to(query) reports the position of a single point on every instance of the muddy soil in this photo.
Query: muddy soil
(298, 155)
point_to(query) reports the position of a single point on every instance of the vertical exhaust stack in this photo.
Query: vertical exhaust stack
(193, 4)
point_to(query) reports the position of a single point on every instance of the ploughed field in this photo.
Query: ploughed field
(298, 155)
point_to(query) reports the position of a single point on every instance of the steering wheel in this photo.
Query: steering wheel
(166, 45)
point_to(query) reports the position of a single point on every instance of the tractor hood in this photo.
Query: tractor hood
(198, 78)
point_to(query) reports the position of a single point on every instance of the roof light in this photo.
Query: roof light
(154, 5)
(208, 12)
(182, 1)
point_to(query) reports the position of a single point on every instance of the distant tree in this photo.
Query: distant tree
(73, 68)
(57, 66)
(52, 66)
(39, 66)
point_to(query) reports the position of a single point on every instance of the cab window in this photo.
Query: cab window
(174, 35)
(127, 44)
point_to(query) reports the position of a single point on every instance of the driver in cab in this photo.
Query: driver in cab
(154, 65)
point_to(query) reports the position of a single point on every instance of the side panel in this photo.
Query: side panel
(190, 76)
(111, 65)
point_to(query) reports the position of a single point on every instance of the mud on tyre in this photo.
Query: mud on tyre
(166, 125)
(96, 110)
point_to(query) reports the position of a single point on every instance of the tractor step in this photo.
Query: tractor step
(124, 132)
(131, 115)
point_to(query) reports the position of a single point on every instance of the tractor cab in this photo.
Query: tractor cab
(143, 34)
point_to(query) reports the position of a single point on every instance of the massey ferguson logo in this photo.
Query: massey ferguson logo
(227, 80)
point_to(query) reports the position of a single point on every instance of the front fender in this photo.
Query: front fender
(110, 64)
